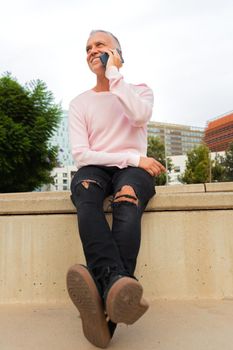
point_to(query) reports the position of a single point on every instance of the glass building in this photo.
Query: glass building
(61, 139)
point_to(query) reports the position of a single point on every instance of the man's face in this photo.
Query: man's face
(96, 45)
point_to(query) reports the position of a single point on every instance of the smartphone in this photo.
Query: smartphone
(104, 57)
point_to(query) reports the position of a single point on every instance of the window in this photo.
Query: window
(72, 174)
(64, 188)
(176, 169)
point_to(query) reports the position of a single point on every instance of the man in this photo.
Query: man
(108, 135)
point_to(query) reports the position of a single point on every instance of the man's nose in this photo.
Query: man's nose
(94, 50)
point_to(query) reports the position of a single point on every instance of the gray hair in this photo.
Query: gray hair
(108, 33)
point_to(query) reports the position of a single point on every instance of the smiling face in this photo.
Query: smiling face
(96, 45)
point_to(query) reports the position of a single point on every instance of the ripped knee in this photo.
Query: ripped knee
(126, 194)
(86, 183)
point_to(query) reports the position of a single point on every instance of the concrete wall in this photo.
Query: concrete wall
(186, 251)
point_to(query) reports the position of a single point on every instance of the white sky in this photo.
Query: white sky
(183, 49)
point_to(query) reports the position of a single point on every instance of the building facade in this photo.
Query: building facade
(219, 132)
(178, 139)
(61, 139)
(62, 178)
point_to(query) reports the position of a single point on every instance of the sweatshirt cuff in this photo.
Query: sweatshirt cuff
(134, 159)
(112, 73)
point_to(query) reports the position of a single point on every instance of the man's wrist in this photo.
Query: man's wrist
(112, 72)
(134, 159)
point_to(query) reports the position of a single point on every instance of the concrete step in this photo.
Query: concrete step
(168, 325)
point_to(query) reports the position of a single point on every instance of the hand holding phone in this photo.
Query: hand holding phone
(104, 57)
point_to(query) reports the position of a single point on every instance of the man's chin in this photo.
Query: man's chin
(97, 69)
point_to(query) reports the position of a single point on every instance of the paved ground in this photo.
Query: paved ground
(168, 325)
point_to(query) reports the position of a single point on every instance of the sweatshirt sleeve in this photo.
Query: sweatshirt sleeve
(138, 102)
(80, 148)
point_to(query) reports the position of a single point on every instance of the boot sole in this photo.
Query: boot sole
(124, 302)
(85, 296)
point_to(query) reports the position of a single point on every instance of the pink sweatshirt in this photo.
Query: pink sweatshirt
(110, 128)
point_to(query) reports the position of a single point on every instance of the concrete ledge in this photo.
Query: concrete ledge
(181, 197)
(186, 250)
(219, 187)
(195, 188)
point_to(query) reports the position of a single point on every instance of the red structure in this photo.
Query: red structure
(219, 133)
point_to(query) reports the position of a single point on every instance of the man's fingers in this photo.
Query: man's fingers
(159, 165)
(114, 58)
(110, 52)
(150, 172)
(156, 170)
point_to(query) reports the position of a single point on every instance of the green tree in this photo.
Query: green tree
(28, 118)
(228, 163)
(156, 150)
(197, 166)
(218, 169)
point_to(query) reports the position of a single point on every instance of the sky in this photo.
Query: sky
(182, 49)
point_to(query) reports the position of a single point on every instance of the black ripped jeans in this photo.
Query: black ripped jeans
(106, 247)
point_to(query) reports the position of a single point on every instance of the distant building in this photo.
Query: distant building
(219, 132)
(179, 138)
(179, 166)
(61, 139)
(62, 178)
